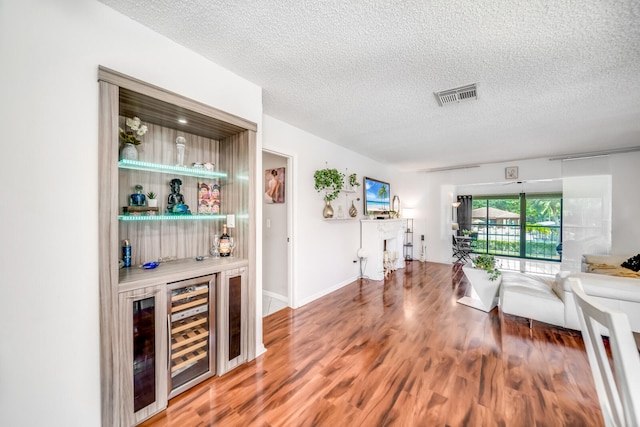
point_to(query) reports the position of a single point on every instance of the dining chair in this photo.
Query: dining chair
(618, 389)
(462, 249)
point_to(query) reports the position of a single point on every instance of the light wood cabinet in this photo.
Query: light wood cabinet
(142, 355)
(214, 136)
(233, 319)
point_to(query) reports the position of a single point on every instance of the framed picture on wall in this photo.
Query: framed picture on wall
(274, 185)
(208, 198)
(511, 172)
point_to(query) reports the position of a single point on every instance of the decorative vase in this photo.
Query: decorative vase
(352, 210)
(129, 152)
(327, 212)
(137, 199)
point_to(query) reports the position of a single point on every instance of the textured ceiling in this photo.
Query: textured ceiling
(554, 77)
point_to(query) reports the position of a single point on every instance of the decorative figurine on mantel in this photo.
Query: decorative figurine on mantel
(175, 201)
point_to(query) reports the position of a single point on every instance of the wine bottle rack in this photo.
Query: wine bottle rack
(190, 326)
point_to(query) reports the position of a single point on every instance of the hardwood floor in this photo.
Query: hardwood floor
(400, 353)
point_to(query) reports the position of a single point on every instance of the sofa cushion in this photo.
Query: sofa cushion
(632, 263)
(612, 287)
(612, 270)
(532, 297)
(605, 259)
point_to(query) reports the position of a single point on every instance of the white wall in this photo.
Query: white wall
(325, 251)
(444, 186)
(625, 222)
(49, 351)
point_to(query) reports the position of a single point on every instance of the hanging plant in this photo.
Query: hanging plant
(330, 181)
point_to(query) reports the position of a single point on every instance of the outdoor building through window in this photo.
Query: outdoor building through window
(519, 225)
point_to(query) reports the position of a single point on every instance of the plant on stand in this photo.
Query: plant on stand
(131, 137)
(487, 262)
(329, 181)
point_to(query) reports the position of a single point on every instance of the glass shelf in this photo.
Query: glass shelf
(181, 170)
(170, 217)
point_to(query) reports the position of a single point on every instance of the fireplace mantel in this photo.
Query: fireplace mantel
(373, 234)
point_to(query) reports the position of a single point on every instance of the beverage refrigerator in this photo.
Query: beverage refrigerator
(191, 331)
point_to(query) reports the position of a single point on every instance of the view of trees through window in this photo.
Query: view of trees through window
(519, 225)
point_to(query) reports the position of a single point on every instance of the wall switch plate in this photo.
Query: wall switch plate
(231, 221)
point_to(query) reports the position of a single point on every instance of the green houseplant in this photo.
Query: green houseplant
(330, 181)
(487, 262)
(152, 199)
(353, 180)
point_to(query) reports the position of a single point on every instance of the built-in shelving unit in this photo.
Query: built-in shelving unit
(140, 372)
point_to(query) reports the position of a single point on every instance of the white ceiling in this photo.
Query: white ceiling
(554, 76)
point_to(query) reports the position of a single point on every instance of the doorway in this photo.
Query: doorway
(276, 231)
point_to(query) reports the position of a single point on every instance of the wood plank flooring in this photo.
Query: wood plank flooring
(400, 353)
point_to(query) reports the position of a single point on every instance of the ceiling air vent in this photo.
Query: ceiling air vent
(464, 93)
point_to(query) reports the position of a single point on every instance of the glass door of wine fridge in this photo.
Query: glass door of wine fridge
(191, 322)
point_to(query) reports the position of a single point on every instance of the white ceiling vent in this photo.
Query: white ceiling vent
(464, 93)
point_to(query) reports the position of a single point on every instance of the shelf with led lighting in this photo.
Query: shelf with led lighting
(175, 170)
(171, 217)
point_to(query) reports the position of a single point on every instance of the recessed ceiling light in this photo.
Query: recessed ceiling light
(183, 121)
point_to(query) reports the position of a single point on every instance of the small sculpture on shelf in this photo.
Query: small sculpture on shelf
(180, 142)
(175, 201)
(137, 198)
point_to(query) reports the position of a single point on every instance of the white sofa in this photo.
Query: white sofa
(552, 301)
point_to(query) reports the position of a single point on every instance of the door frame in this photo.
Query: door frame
(291, 208)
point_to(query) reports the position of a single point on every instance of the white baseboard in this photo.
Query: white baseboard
(325, 292)
(276, 296)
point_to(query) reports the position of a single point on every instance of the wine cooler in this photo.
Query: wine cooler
(191, 323)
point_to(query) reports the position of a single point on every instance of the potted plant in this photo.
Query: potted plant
(329, 181)
(484, 279)
(487, 262)
(353, 181)
(130, 137)
(152, 199)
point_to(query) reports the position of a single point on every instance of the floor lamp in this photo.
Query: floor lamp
(362, 255)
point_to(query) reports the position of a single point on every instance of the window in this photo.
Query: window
(518, 225)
